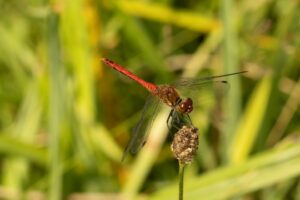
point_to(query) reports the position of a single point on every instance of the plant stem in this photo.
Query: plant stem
(181, 179)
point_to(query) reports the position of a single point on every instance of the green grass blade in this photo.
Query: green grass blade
(55, 108)
(250, 123)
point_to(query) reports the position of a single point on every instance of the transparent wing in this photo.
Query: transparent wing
(194, 82)
(205, 95)
(204, 91)
(140, 132)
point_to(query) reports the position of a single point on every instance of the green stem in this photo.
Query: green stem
(181, 179)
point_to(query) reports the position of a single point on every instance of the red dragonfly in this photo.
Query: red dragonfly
(168, 94)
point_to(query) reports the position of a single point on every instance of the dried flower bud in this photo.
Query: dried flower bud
(185, 144)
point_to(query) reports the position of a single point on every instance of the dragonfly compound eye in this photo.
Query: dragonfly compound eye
(189, 105)
(189, 109)
(186, 106)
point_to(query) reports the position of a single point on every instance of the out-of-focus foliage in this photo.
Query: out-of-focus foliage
(65, 118)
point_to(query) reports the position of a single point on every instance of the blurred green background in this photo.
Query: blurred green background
(65, 118)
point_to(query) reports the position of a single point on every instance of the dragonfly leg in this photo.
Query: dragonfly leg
(176, 118)
(169, 117)
(190, 121)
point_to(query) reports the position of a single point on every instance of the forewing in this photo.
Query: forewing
(195, 88)
(140, 131)
(194, 82)
(205, 92)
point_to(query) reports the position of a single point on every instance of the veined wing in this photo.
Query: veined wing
(194, 82)
(140, 132)
(204, 90)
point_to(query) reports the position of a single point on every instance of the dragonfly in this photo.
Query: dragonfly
(166, 93)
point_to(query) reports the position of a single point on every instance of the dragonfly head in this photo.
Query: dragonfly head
(186, 106)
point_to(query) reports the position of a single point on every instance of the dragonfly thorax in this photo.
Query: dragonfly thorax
(168, 95)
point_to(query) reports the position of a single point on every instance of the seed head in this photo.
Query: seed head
(185, 144)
